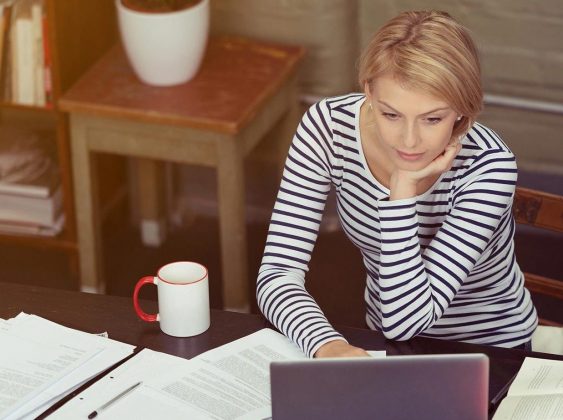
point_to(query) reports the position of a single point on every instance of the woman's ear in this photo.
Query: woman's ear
(367, 90)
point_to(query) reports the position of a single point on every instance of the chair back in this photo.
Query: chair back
(545, 211)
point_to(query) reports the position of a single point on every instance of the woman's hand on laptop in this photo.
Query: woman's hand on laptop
(339, 348)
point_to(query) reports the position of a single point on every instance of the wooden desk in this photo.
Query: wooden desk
(243, 89)
(97, 313)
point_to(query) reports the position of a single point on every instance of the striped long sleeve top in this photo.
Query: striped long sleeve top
(438, 265)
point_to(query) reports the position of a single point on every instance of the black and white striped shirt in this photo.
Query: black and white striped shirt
(438, 265)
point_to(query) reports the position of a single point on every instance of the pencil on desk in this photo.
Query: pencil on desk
(122, 394)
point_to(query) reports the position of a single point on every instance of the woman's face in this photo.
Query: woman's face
(411, 127)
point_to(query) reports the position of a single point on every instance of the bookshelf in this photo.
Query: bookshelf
(78, 33)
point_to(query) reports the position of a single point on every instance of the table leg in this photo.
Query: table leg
(152, 201)
(232, 224)
(88, 222)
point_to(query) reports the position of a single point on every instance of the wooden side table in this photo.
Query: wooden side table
(243, 89)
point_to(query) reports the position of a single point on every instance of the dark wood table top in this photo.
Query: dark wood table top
(97, 313)
(236, 77)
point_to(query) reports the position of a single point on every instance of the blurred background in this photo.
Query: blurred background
(521, 48)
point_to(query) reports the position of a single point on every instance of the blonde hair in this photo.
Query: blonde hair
(431, 51)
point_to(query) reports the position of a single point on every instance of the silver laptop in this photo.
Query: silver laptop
(433, 387)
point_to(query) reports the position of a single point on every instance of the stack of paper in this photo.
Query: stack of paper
(42, 361)
(228, 382)
(232, 381)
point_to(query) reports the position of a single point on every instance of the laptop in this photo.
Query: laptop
(451, 386)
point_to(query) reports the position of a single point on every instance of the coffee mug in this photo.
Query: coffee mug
(183, 299)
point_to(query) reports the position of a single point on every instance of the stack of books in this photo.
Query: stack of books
(30, 188)
(25, 58)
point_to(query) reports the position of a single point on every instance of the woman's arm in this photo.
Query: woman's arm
(417, 286)
(293, 230)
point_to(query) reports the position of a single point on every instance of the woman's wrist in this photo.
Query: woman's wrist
(401, 186)
(326, 347)
(339, 348)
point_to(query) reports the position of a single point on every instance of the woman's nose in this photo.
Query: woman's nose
(410, 137)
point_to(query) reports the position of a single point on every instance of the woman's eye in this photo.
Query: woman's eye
(390, 115)
(433, 120)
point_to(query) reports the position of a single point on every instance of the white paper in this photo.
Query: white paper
(536, 393)
(4, 324)
(75, 357)
(211, 393)
(77, 378)
(28, 367)
(248, 359)
(231, 381)
(228, 382)
(538, 377)
(142, 403)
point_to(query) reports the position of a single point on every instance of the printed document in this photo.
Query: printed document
(228, 382)
(536, 393)
(42, 361)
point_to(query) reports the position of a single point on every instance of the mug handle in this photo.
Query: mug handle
(142, 314)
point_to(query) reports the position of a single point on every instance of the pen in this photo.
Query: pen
(500, 395)
(94, 413)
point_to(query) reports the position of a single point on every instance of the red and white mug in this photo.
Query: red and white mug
(183, 299)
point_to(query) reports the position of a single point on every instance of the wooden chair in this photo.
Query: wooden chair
(542, 210)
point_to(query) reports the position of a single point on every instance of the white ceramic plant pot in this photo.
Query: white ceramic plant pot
(165, 49)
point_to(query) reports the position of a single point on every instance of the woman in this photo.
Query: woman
(423, 190)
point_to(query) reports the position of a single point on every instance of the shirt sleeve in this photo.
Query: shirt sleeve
(292, 234)
(417, 286)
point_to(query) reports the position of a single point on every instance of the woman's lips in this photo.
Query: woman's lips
(409, 156)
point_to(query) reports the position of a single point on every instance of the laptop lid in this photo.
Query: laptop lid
(397, 387)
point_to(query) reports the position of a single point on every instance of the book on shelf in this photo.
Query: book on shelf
(28, 209)
(27, 161)
(38, 52)
(23, 51)
(47, 61)
(536, 393)
(42, 186)
(5, 24)
(26, 62)
(19, 228)
(31, 196)
(5, 12)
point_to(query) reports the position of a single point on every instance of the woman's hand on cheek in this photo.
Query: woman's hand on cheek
(440, 164)
(403, 184)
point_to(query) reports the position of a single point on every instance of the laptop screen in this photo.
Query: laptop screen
(396, 387)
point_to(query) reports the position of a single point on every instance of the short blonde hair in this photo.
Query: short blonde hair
(431, 51)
